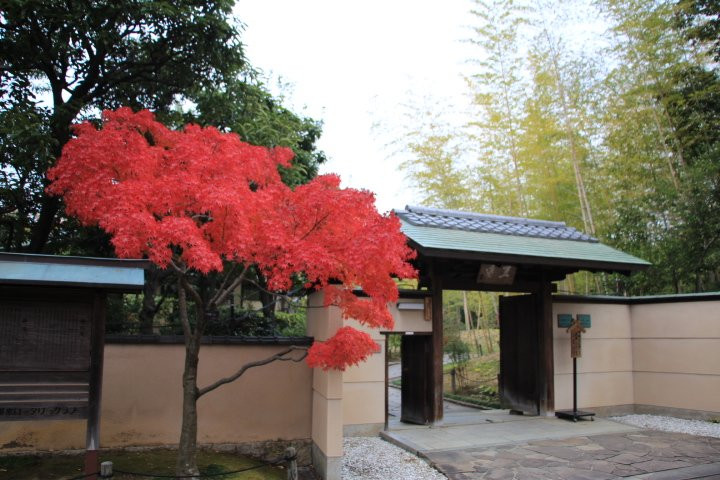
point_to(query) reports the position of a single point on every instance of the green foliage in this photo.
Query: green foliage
(664, 150)
(244, 106)
(292, 324)
(160, 462)
(62, 62)
(482, 396)
(700, 21)
(432, 164)
(458, 350)
(620, 141)
(393, 347)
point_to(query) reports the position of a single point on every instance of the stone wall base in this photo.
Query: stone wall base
(617, 410)
(363, 430)
(329, 468)
(267, 450)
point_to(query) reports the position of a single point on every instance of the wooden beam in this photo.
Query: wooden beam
(387, 372)
(92, 438)
(546, 365)
(436, 411)
(521, 287)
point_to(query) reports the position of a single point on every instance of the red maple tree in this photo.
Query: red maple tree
(201, 201)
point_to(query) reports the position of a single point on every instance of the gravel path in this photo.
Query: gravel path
(372, 458)
(671, 424)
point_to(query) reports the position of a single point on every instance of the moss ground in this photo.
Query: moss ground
(159, 462)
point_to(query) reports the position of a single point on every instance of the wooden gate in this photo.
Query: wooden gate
(519, 353)
(416, 355)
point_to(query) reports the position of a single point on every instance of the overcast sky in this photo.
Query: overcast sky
(351, 65)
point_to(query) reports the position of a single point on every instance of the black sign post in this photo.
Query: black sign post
(576, 329)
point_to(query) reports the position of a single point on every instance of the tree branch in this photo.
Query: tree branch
(287, 296)
(181, 271)
(280, 356)
(220, 297)
(220, 289)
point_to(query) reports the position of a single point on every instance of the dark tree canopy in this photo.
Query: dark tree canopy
(250, 111)
(63, 62)
(701, 21)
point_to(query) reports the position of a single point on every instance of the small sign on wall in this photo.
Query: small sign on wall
(564, 320)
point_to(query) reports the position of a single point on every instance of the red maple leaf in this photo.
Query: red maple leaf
(205, 196)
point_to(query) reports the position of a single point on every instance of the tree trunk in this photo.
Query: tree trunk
(187, 450)
(186, 466)
(149, 308)
(62, 117)
(466, 311)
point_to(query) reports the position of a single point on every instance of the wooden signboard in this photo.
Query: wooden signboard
(45, 358)
(496, 274)
(576, 330)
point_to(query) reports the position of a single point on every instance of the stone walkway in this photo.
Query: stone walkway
(640, 454)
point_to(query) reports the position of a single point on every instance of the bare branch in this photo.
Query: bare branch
(221, 295)
(179, 268)
(286, 296)
(280, 356)
(228, 276)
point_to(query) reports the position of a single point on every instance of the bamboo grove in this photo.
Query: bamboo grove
(604, 115)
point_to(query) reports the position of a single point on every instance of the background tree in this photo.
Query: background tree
(700, 20)
(614, 133)
(61, 62)
(433, 164)
(662, 112)
(498, 92)
(211, 208)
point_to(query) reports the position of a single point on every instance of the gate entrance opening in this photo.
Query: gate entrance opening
(476, 252)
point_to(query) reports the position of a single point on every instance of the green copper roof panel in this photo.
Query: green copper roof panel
(24, 269)
(501, 244)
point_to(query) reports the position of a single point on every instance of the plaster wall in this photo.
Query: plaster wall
(650, 357)
(605, 370)
(141, 402)
(676, 355)
(364, 384)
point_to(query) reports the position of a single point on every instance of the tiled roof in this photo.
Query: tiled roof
(511, 240)
(476, 222)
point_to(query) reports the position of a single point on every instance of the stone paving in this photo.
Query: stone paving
(644, 454)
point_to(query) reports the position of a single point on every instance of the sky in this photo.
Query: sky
(352, 65)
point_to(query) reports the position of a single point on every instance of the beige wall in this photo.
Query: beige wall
(364, 384)
(664, 355)
(676, 355)
(409, 320)
(605, 374)
(141, 402)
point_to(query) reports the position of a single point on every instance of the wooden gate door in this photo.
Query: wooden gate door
(416, 356)
(518, 354)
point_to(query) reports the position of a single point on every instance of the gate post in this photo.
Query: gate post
(436, 411)
(327, 390)
(546, 362)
